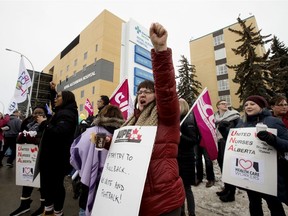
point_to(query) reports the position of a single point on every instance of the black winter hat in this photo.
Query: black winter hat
(259, 100)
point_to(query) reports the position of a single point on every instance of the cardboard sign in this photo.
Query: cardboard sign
(249, 162)
(124, 173)
(26, 155)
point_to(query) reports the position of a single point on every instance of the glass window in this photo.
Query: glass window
(84, 67)
(223, 85)
(66, 78)
(82, 93)
(67, 68)
(75, 62)
(74, 73)
(220, 54)
(227, 98)
(81, 107)
(61, 73)
(96, 48)
(221, 69)
(85, 55)
(93, 90)
(218, 40)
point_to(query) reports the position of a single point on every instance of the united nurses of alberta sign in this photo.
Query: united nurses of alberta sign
(124, 173)
(249, 162)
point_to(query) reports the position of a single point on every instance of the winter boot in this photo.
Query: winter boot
(40, 210)
(229, 197)
(23, 208)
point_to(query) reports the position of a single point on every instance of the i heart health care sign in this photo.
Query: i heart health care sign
(249, 162)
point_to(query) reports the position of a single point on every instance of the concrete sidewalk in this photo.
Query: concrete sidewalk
(10, 194)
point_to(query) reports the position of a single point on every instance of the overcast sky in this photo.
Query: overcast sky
(42, 29)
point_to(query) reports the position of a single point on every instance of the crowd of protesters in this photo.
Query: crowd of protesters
(177, 158)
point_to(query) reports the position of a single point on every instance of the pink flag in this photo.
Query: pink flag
(89, 107)
(121, 98)
(204, 115)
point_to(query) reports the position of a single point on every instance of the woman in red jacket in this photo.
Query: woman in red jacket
(157, 104)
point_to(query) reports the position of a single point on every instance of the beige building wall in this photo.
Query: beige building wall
(91, 66)
(203, 55)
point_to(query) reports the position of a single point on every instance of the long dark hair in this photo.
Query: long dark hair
(68, 98)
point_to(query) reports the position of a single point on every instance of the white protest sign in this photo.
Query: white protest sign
(26, 155)
(249, 162)
(124, 173)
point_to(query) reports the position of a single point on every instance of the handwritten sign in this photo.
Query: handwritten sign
(124, 173)
(249, 162)
(26, 155)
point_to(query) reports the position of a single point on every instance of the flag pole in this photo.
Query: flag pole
(33, 75)
(194, 104)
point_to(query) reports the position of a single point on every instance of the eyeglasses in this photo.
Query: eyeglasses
(282, 105)
(144, 92)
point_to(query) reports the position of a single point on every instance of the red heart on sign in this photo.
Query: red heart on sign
(27, 170)
(245, 164)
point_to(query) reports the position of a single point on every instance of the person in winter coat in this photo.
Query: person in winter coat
(224, 120)
(157, 104)
(10, 136)
(188, 139)
(54, 152)
(32, 133)
(279, 108)
(3, 122)
(88, 160)
(256, 111)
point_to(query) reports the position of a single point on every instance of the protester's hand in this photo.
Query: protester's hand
(52, 85)
(108, 140)
(267, 137)
(158, 36)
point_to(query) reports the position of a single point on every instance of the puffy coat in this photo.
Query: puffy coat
(281, 146)
(163, 190)
(189, 138)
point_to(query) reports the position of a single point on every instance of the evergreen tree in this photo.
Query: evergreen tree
(251, 74)
(187, 86)
(278, 67)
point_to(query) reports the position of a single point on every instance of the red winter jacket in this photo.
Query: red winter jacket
(163, 190)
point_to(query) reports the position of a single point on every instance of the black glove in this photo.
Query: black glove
(267, 137)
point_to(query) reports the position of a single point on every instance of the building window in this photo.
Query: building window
(96, 48)
(61, 73)
(221, 69)
(95, 60)
(93, 90)
(60, 82)
(92, 103)
(67, 68)
(84, 67)
(227, 98)
(223, 85)
(81, 107)
(218, 40)
(66, 78)
(74, 73)
(85, 55)
(220, 54)
(75, 62)
(82, 94)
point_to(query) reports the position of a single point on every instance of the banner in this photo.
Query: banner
(121, 98)
(249, 162)
(124, 173)
(88, 106)
(23, 83)
(204, 115)
(26, 155)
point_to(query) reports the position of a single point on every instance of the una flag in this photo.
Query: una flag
(89, 107)
(23, 83)
(121, 98)
(204, 115)
(12, 106)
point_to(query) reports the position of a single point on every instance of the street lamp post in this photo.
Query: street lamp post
(33, 75)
